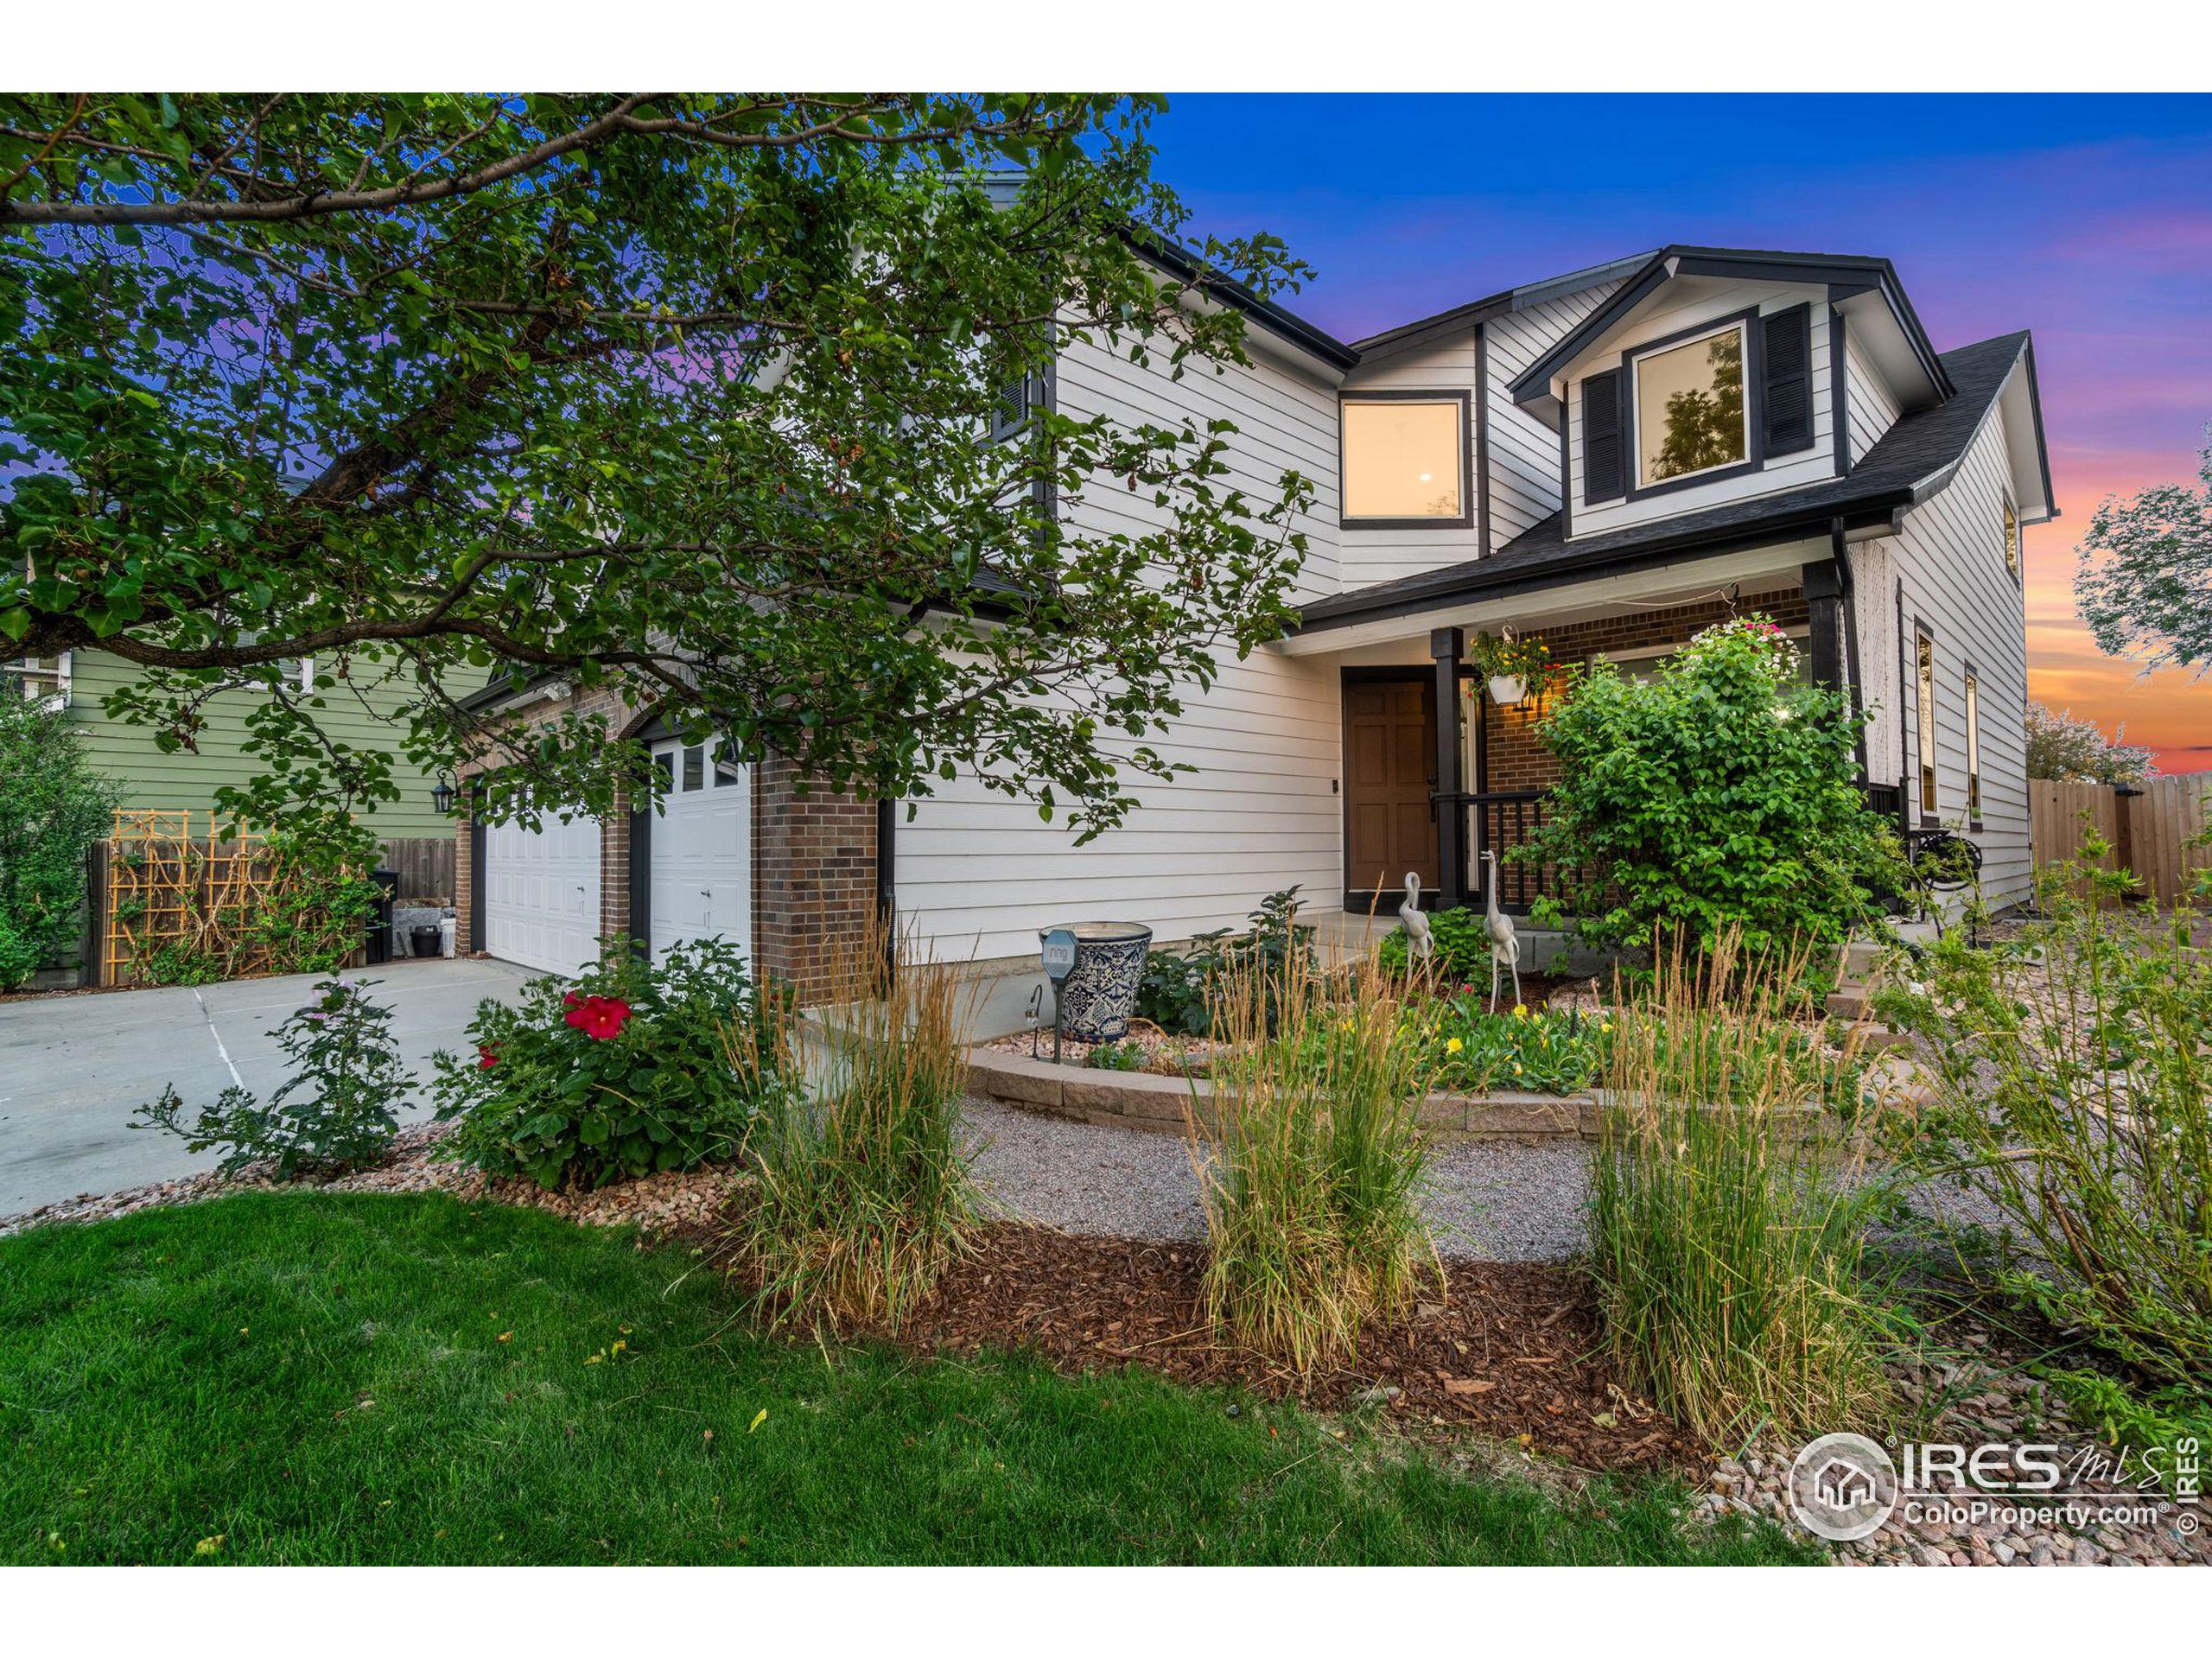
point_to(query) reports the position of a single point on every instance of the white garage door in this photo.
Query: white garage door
(700, 849)
(541, 894)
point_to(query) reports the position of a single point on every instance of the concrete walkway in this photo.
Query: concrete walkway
(74, 1069)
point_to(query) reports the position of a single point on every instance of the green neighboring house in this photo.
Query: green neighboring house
(153, 779)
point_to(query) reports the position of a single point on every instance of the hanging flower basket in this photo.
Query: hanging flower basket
(1513, 665)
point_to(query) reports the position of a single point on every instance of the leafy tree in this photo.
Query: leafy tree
(2066, 750)
(688, 390)
(53, 807)
(2144, 577)
(1720, 794)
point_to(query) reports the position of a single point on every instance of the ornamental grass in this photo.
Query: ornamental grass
(865, 1196)
(1309, 1177)
(2070, 1073)
(1729, 1212)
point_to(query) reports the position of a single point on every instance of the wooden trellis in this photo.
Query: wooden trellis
(171, 881)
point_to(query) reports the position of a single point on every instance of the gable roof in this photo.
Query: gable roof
(1842, 275)
(1914, 459)
(1511, 299)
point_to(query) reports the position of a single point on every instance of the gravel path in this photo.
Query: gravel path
(1493, 1200)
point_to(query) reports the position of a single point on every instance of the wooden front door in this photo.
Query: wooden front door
(1390, 747)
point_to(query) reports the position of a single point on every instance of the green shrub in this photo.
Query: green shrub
(1309, 1185)
(1728, 1240)
(2071, 1074)
(337, 1109)
(1179, 987)
(631, 1069)
(865, 1191)
(1116, 1056)
(1460, 951)
(1720, 795)
(54, 806)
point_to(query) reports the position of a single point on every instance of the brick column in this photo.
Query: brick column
(814, 876)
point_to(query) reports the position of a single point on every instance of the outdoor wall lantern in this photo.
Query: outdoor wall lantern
(442, 795)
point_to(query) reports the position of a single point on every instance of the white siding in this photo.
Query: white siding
(1950, 556)
(978, 873)
(1523, 451)
(1807, 467)
(1369, 556)
(1874, 407)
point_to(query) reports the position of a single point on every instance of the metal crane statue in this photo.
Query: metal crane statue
(1419, 945)
(1504, 941)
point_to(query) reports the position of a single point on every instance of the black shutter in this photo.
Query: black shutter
(1788, 349)
(1603, 474)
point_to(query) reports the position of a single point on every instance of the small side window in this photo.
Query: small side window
(2012, 541)
(1927, 724)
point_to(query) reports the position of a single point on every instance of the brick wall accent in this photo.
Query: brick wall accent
(813, 876)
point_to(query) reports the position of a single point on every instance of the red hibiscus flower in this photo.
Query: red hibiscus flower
(598, 1017)
(487, 1057)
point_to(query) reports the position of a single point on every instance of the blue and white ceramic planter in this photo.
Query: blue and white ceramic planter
(1099, 998)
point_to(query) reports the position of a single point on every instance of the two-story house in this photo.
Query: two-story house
(1612, 460)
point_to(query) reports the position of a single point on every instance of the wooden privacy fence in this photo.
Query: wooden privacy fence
(2149, 828)
(425, 866)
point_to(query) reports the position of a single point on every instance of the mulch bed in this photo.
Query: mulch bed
(1507, 1351)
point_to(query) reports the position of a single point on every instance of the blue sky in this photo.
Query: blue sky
(2087, 219)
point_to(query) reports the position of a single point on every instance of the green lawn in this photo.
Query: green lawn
(386, 1379)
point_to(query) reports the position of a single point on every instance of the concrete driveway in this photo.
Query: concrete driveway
(73, 1070)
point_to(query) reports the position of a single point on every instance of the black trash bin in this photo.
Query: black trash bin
(379, 939)
(424, 942)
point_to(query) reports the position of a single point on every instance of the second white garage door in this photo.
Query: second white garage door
(701, 851)
(541, 894)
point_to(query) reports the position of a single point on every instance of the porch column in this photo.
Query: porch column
(1447, 645)
(1824, 609)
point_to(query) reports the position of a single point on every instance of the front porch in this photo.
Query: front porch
(1446, 799)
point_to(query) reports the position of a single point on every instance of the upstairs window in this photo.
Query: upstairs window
(1690, 412)
(37, 679)
(1973, 746)
(1927, 724)
(2012, 541)
(1405, 461)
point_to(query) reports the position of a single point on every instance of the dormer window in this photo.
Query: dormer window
(1691, 416)
(1405, 461)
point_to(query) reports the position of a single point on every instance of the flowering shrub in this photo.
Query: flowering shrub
(348, 1080)
(634, 1069)
(1720, 795)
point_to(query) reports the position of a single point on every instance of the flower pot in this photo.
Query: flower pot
(1507, 688)
(1099, 996)
(424, 942)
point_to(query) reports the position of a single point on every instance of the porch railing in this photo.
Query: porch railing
(1499, 820)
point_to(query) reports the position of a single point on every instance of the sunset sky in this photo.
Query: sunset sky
(2086, 219)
